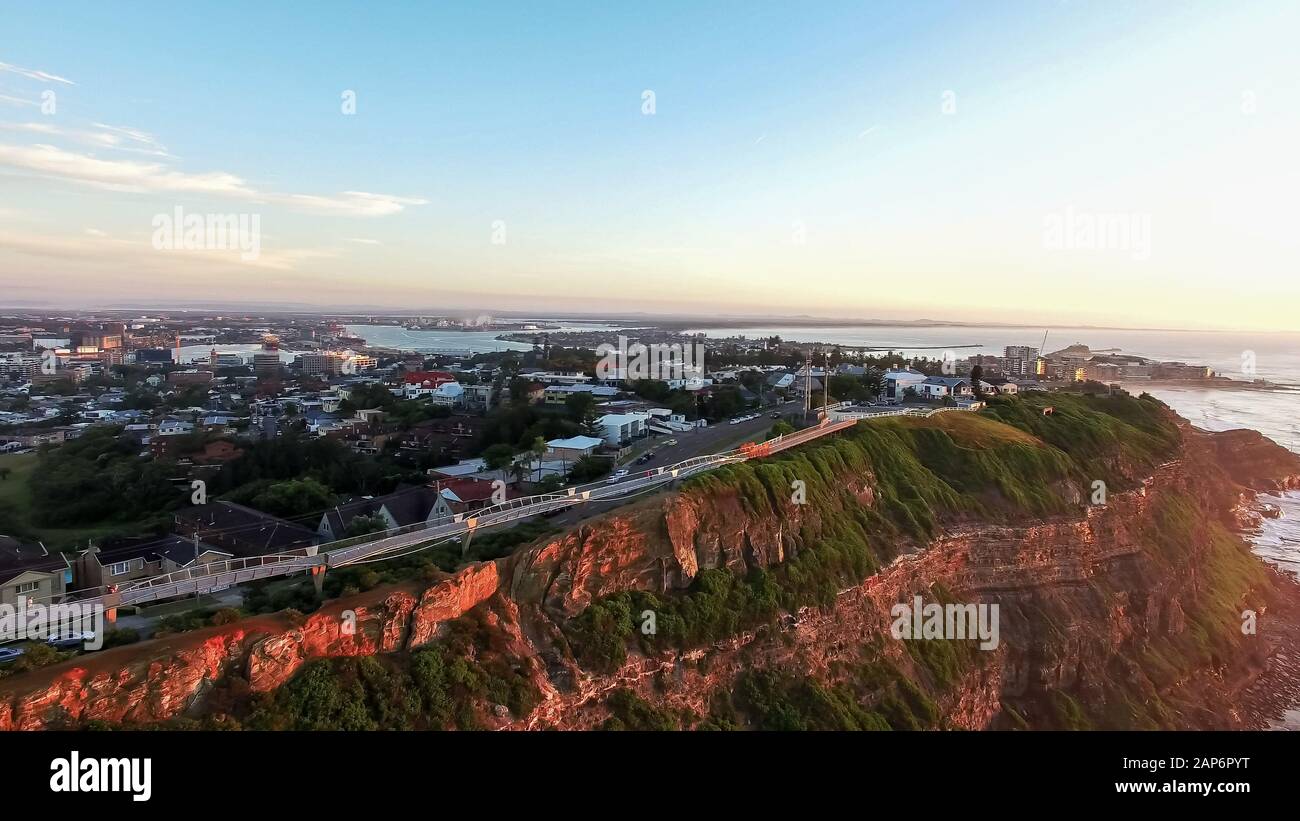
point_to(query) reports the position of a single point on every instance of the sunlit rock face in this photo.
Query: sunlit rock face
(1083, 594)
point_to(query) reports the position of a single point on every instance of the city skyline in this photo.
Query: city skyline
(864, 162)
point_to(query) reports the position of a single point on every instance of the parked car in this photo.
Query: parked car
(670, 442)
(617, 477)
(776, 415)
(8, 654)
(71, 641)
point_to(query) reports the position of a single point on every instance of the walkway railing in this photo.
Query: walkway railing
(340, 553)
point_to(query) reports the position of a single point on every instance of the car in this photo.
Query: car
(8, 654)
(735, 421)
(670, 442)
(776, 415)
(72, 640)
(618, 476)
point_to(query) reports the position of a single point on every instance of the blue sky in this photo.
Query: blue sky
(798, 160)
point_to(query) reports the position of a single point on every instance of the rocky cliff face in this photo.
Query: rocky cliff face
(1126, 614)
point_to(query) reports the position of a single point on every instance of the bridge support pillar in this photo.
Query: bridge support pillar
(318, 578)
(111, 601)
(464, 545)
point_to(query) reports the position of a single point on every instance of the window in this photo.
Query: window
(29, 587)
(119, 568)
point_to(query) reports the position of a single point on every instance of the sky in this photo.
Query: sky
(1113, 163)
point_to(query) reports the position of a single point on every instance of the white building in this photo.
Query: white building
(618, 428)
(898, 380)
(573, 448)
(937, 387)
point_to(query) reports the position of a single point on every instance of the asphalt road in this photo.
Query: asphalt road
(699, 442)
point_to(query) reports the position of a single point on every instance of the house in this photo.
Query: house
(406, 506)
(242, 531)
(478, 396)
(559, 394)
(459, 496)
(937, 387)
(999, 384)
(427, 379)
(36, 437)
(450, 436)
(448, 393)
(573, 448)
(174, 427)
(619, 428)
(28, 572)
(119, 565)
(898, 380)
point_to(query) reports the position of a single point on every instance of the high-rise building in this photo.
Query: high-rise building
(266, 362)
(1021, 360)
(102, 337)
(153, 356)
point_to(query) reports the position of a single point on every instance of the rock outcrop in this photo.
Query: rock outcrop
(1082, 596)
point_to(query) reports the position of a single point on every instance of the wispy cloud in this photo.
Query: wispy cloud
(115, 139)
(135, 135)
(98, 248)
(35, 74)
(364, 241)
(154, 177)
(5, 98)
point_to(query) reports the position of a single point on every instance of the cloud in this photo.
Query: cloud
(153, 177)
(135, 135)
(364, 241)
(99, 139)
(98, 249)
(34, 74)
(5, 98)
(358, 203)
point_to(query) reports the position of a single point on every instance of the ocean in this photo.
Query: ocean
(1274, 357)
(397, 337)
(1275, 412)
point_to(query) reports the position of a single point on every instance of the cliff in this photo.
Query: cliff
(761, 596)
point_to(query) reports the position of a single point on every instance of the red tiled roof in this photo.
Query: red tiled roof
(434, 378)
(469, 489)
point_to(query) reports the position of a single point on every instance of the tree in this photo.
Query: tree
(589, 468)
(498, 456)
(537, 450)
(976, 374)
(295, 497)
(519, 391)
(365, 525)
(579, 405)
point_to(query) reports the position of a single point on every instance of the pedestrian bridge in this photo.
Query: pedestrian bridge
(216, 576)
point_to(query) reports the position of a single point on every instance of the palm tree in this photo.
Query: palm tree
(519, 466)
(538, 450)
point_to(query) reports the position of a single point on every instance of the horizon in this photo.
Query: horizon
(726, 321)
(1034, 164)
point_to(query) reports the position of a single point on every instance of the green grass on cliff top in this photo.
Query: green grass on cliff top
(1002, 464)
